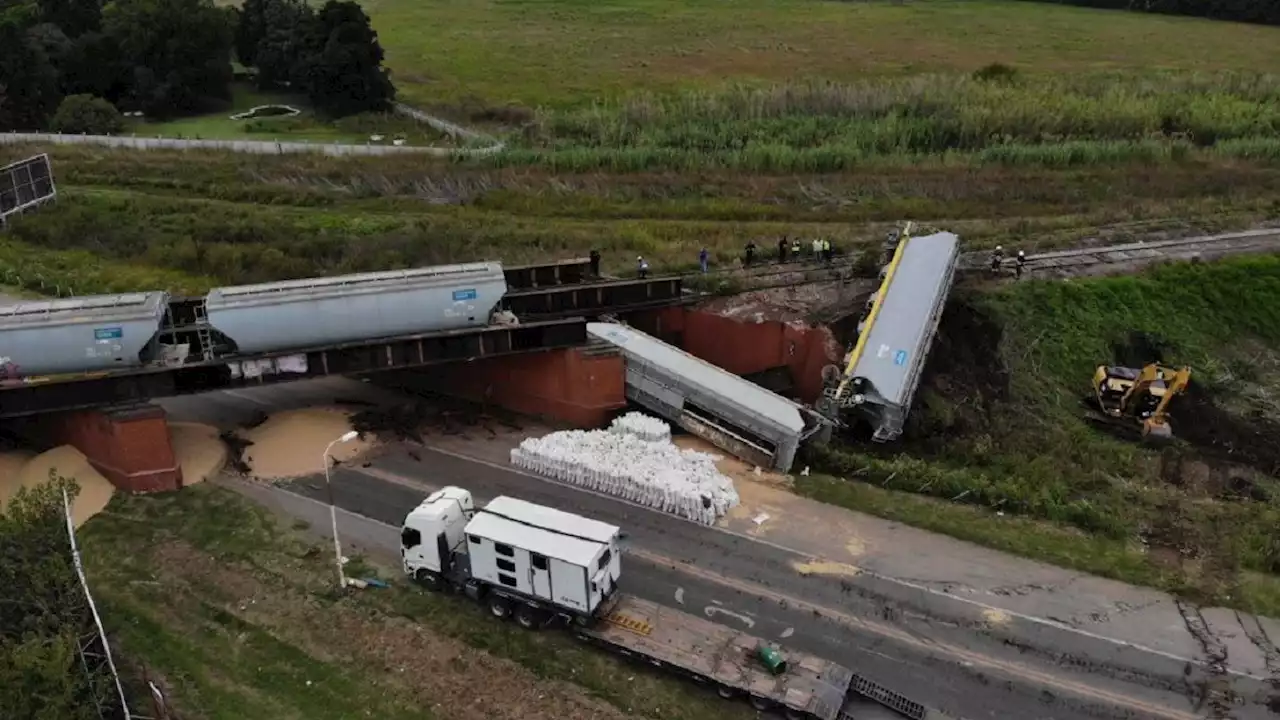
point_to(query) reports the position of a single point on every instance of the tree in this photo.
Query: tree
(283, 42)
(74, 17)
(87, 114)
(94, 65)
(250, 29)
(43, 614)
(30, 81)
(341, 63)
(180, 52)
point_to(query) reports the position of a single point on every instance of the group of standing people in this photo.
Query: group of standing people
(788, 249)
(819, 248)
(997, 262)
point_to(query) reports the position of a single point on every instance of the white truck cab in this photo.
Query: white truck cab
(434, 529)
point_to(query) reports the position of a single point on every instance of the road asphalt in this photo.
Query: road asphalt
(974, 662)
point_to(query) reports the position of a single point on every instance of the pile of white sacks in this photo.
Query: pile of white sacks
(642, 426)
(653, 473)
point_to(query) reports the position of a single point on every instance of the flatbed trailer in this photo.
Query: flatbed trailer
(714, 654)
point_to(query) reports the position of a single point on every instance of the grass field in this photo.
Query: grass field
(306, 126)
(235, 617)
(556, 53)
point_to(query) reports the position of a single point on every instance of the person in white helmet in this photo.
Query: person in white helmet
(997, 259)
(642, 266)
(1020, 265)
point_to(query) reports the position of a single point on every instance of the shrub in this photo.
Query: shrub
(87, 114)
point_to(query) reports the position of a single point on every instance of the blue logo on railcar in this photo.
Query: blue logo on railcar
(900, 357)
(111, 333)
(460, 295)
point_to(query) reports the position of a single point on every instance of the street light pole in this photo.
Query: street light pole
(333, 512)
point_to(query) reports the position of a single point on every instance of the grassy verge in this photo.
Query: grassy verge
(305, 126)
(237, 617)
(565, 52)
(1116, 558)
(1002, 425)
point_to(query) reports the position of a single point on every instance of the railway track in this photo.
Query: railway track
(1073, 262)
(1130, 257)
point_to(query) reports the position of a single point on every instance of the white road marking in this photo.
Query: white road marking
(680, 595)
(712, 611)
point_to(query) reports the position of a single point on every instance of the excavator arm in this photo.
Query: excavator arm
(1157, 425)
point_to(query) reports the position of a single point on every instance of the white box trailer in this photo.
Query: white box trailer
(526, 559)
(570, 572)
(563, 523)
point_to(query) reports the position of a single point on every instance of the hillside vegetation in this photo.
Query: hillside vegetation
(1001, 424)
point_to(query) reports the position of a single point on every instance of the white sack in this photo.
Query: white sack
(642, 426)
(658, 474)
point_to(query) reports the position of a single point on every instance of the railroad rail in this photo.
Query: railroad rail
(1106, 259)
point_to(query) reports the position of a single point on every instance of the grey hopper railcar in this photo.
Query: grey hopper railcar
(732, 413)
(328, 311)
(84, 334)
(888, 360)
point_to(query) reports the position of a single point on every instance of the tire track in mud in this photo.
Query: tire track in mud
(1216, 696)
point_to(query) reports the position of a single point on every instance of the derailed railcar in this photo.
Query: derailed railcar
(894, 338)
(731, 413)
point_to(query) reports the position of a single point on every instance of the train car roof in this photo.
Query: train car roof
(124, 307)
(359, 281)
(536, 540)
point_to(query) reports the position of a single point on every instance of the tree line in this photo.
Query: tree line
(73, 65)
(1259, 12)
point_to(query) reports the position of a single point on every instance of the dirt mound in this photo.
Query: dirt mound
(199, 451)
(292, 443)
(1198, 420)
(963, 376)
(1138, 349)
(64, 461)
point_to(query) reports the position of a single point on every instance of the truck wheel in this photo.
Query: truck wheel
(761, 704)
(726, 692)
(528, 618)
(499, 606)
(790, 714)
(427, 579)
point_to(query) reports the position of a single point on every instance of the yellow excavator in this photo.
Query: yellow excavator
(1140, 395)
